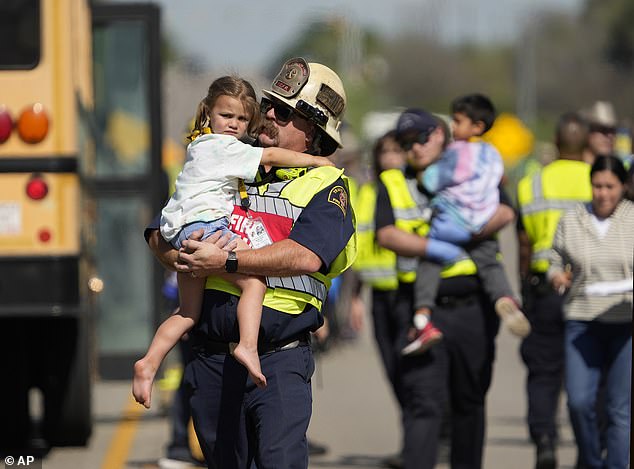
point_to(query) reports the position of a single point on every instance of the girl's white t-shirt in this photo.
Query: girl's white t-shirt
(206, 187)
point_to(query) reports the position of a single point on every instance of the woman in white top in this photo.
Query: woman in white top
(591, 262)
(216, 164)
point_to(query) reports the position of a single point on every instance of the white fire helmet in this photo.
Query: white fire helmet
(317, 93)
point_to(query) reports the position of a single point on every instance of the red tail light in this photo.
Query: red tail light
(36, 188)
(44, 235)
(6, 124)
(33, 124)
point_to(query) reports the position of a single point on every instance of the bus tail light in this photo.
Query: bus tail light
(6, 124)
(44, 235)
(36, 188)
(33, 124)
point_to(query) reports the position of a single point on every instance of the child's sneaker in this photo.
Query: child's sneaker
(424, 338)
(512, 316)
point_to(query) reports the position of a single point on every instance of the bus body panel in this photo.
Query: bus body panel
(39, 227)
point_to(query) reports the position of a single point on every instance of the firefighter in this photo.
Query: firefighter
(458, 368)
(542, 198)
(307, 216)
(375, 265)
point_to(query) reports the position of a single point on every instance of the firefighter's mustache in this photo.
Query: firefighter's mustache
(269, 129)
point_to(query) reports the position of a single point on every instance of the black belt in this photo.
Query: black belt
(212, 347)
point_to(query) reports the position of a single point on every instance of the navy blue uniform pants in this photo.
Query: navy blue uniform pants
(456, 371)
(543, 353)
(238, 423)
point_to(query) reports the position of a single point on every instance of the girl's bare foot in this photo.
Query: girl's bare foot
(250, 359)
(142, 382)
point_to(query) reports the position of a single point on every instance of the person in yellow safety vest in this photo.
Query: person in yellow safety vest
(542, 198)
(463, 314)
(307, 216)
(376, 265)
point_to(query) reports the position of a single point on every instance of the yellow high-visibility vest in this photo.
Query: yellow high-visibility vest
(544, 196)
(289, 198)
(409, 207)
(376, 265)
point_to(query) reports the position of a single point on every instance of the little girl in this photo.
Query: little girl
(217, 162)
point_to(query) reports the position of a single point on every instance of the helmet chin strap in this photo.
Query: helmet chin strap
(315, 145)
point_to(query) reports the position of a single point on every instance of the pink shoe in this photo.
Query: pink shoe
(424, 338)
(512, 316)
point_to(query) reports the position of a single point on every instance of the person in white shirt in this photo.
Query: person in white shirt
(216, 166)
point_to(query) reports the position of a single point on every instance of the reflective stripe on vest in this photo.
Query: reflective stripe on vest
(376, 265)
(544, 196)
(407, 201)
(288, 199)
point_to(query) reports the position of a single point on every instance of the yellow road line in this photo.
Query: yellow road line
(117, 453)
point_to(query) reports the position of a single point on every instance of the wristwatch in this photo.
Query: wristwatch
(231, 264)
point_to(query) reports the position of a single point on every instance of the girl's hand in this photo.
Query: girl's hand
(237, 244)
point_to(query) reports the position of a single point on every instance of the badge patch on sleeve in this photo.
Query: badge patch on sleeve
(339, 197)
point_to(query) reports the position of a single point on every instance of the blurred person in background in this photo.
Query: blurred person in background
(464, 182)
(542, 198)
(592, 263)
(458, 369)
(376, 267)
(623, 143)
(343, 310)
(602, 136)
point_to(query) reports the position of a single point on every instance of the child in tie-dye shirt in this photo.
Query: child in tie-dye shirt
(464, 183)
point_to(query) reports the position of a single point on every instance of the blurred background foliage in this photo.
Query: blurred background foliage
(560, 63)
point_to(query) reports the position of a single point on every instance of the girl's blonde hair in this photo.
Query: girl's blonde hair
(235, 87)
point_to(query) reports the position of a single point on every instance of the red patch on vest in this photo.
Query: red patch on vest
(277, 226)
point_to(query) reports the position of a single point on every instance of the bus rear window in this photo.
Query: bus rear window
(19, 34)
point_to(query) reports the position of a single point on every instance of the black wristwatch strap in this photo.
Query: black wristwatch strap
(231, 264)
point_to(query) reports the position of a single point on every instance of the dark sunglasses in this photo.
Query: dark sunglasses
(603, 129)
(408, 141)
(283, 113)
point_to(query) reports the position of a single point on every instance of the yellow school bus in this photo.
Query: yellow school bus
(80, 137)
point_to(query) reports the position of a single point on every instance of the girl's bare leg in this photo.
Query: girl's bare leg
(249, 317)
(167, 335)
(190, 292)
